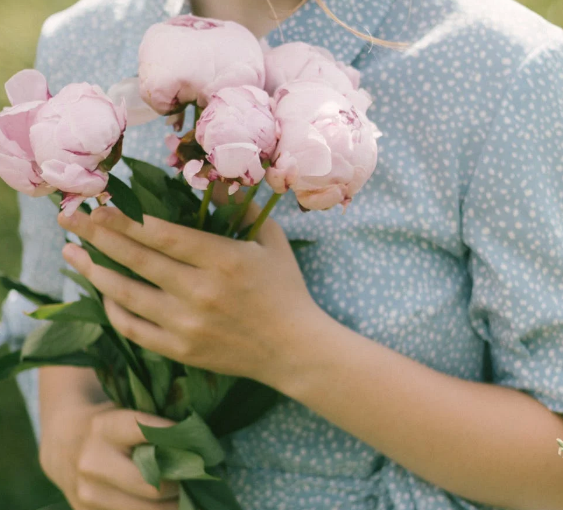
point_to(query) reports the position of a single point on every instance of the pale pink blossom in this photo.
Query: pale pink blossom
(80, 125)
(240, 165)
(238, 115)
(301, 61)
(28, 93)
(188, 59)
(75, 137)
(67, 142)
(327, 147)
(237, 134)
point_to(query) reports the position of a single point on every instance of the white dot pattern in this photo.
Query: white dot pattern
(452, 254)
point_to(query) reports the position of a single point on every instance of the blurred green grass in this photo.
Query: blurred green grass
(22, 485)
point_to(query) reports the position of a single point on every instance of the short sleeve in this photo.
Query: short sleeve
(512, 223)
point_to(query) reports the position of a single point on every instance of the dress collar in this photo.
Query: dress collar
(311, 25)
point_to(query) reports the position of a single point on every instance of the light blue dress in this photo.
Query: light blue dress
(451, 255)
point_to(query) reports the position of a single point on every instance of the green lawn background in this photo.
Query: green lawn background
(22, 486)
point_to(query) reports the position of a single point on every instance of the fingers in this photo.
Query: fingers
(111, 467)
(93, 495)
(120, 427)
(193, 247)
(142, 332)
(144, 300)
(154, 266)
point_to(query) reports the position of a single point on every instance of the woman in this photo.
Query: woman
(443, 276)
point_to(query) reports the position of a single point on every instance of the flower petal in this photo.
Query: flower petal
(190, 172)
(27, 85)
(20, 175)
(138, 112)
(74, 179)
(239, 160)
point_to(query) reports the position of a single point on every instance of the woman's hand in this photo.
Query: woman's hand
(85, 450)
(229, 306)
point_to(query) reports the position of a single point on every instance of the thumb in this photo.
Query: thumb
(121, 426)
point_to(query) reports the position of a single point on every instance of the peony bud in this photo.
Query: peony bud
(188, 59)
(236, 132)
(67, 142)
(28, 93)
(327, 147)
(301, 61)
(76, 138)
(238, 115)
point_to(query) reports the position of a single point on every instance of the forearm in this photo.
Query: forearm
(486, 443)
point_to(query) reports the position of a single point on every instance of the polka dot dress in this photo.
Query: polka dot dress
(451, 255)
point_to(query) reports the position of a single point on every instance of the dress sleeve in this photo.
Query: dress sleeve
(512, 223)
(42, 242)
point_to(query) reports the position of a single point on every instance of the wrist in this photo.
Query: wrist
(315, 345)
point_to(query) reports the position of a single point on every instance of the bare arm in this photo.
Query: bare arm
(487, 443)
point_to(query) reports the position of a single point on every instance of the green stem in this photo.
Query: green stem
(205, 205)
(263, 216)
(235, 225)
(198, 112)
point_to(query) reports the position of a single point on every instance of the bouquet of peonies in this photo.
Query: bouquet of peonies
(292, 115)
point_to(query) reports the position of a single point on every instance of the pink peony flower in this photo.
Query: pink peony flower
(235, 133)
(327, 147)
(67, 142)
(189, 59)
(238, 115)
(80, 125)
(301, 61)
(75, 137)
(239, 163)
(28, 92)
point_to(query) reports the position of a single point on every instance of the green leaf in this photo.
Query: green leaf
(59, 339)
(124, 347)
(83, 282)
(160, 375)
(183, 194)
(150, 177)
(35, 297)
(56, 198)
(185, 502)
(152, 205)
(211, 495)
(180, 465)
(11, 364)
(178, 400)
(124, 199)
(204, 389)
(103, 260)
(145, 459)
(244, 232)
(192, 435)
(143, 399)
(299, 244)
(220, 220)
(246, 403)
(85, 310)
